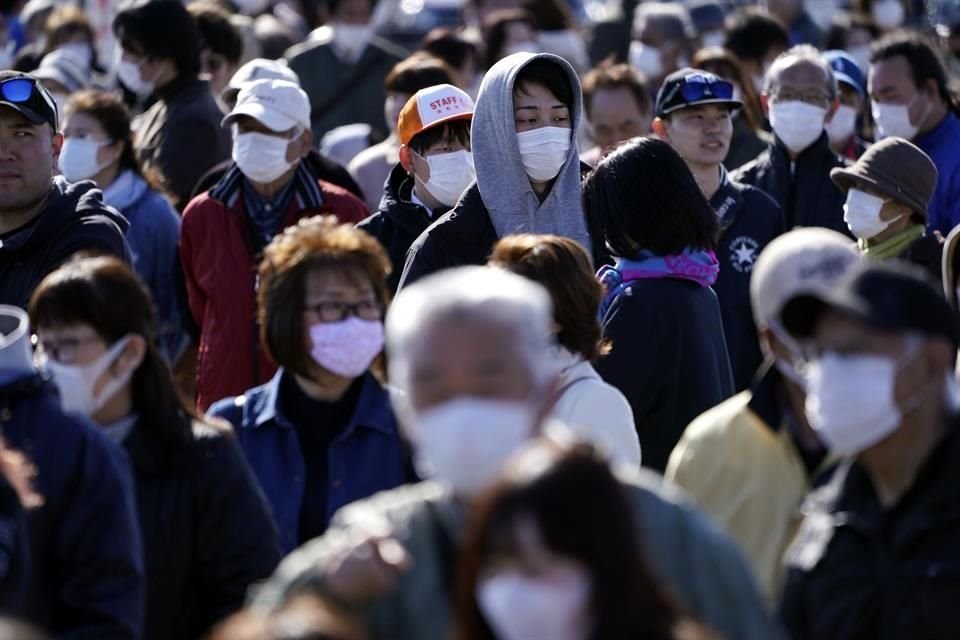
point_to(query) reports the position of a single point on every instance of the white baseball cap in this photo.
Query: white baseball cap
(257, 69)
(802, 262)
(280, 105)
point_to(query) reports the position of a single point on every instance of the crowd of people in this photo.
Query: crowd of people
(485, 320)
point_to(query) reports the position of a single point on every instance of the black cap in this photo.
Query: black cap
(693, 87)
(888, 296)
(37, 107)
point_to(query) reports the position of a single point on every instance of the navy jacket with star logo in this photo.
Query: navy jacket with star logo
(749, 219)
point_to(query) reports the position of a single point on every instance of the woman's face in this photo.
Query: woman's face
(82, 125)
(535, 106)
(76, 345)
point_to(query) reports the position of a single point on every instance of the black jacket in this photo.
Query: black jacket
(927, 252)
(749, 220)
(207, 530)
(803, 188)
(669, 359)
(745, 145)
(75, 219)
(464, 236)
(397, 223)
(323, 167)
(86, 574)
(858, 571)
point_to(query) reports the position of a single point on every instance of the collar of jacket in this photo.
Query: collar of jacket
(182, 84)
(813, 156)
(726, 201)
(397, 205)
(306, 188)
(372, 410)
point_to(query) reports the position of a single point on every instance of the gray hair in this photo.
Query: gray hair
(793, 55)
(494, 296)
(675, 18)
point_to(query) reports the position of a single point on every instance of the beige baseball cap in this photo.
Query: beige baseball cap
(279, 105)
(802, 262)
(257, 69)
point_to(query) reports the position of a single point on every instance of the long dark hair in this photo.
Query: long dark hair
(104, 293)
(643, 197)
(582, 513)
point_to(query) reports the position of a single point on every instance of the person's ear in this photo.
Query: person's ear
(766, 338)
(659, 127)
(56, 144)
(406, 159)
(306, 143)
(133, 354)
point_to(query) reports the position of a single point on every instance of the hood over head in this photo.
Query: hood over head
(504, 187)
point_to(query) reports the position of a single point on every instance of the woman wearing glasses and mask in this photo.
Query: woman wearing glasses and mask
(321, 433)
(207, 532)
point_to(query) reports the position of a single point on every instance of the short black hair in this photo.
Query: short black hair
(217, 33)
(160, 29)
(549, 74)
(643, 197)
(451, 47)
(458, 129)
(752, 33)
(419, 71)
(925, 63)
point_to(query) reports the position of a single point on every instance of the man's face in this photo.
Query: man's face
(216, 69)
(891, 82)
(28, 158)
(354, 11)
(246, 124)
(653, 32)
(616, 117)
(850, 97)
(447, 144)
(468, 357)
(802, 81)
(701, 134)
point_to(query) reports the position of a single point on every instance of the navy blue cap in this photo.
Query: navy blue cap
(691, 88)
(846, 69)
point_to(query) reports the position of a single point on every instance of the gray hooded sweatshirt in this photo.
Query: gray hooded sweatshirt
(504, 186)
(501, 202)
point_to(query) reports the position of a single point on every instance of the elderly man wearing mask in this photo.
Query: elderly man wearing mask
(471, 349)
(662, 33)
(799, 97)
(876, 554)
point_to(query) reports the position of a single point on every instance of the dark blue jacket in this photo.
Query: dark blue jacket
(801, 187)
(87, 575)
(943, 146)
(669, 359)
(749, 219)
(368, 456)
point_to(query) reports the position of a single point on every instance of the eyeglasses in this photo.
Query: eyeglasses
(698, 87)
(813, 97)
(31, 94)
(338, 311)
(65, 350)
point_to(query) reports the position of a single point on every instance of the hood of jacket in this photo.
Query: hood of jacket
(504, 187)
(68, 204)
(126, 190)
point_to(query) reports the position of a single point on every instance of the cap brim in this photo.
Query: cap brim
(847, 179)
(270, 119)
(733, 104)
(802, 313)
(27, 113)
(847, 80)
(441, 121)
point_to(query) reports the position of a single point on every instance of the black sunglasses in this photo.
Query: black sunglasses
(30, 93)
(698, 87)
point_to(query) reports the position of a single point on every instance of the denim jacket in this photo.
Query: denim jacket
(368, 456)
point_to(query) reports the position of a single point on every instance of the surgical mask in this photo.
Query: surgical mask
(797, 123)
(714, 38)
(648, 60)
(261, 157)
(82, 50)
(887, 14)
(130, 76)
(861, 55)
(861, 212)
(76, 382)
(346, 348)
(450, 175)
(850, 400)
(350, 40)
(841, 127)
(465, 442)
(522, 47)
(522, 607)
(543, 151)
(78, 158)
(894, 119)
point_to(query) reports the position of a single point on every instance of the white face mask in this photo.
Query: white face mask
(350, 40)
(850, 400)
(76, 382)
(521, 607)
(261, 157)
(797, 123)
(78, 158)
(450, 175)
(894, 119)
(544, 151)
(861, 212)
(346, 348)
(861, 55)
(887, 14)
(842, 126)
(132, 79)
(83, 51)
(465, 442)
(648, 60)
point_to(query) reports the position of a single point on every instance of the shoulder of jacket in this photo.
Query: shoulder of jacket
(397, 506)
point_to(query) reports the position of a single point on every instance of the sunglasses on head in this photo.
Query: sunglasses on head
(699, 87)
(25, 91)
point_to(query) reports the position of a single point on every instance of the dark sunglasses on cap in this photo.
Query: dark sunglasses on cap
(30, 98)
(700, 87)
